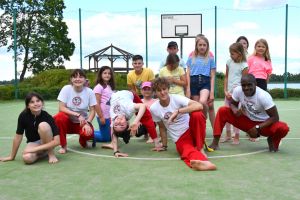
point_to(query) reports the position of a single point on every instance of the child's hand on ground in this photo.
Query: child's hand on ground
(158, 149)
(8, 158)
(119, 154)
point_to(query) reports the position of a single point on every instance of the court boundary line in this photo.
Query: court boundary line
(163, 159)
(168, 159)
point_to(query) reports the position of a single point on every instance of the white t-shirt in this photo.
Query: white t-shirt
(256, 105)
(160, 113)
(235, 71)
(121, 103)
(77, 101)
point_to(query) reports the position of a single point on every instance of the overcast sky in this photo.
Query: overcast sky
(122, 23)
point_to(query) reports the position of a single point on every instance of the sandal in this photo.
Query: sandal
(208, 148)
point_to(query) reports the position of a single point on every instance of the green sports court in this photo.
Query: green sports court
(244, 171)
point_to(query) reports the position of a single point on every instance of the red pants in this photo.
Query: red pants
(191, 142)
(146, 120)
(276, 131)
(66, 126)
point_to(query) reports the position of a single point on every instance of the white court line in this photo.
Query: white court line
(164, 159)
(106, 156)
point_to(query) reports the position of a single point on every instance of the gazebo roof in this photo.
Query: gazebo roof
(102, 53)
(111, 53)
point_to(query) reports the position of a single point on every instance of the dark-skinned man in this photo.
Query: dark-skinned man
(257, 114)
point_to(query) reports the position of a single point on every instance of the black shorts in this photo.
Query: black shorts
(262, 83)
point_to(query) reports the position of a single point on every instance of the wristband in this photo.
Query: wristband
(116, 152)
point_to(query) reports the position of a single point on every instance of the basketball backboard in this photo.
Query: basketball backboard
(181, 25)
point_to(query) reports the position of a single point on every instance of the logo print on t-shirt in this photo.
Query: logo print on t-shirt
(117, 109)
(138, 84)
(251, 107)
(76, 101)
(167, 115)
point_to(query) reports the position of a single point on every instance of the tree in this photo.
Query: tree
(42, 41)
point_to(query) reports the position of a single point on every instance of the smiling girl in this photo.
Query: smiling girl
(236, 66)
(76, 110)
(103, 91)
(260, 64)
(40, 130)
(200, 74)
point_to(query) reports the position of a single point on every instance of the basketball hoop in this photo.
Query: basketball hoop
(181, 25)
(181, 30)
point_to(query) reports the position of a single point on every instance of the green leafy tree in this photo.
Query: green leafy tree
(42, 41)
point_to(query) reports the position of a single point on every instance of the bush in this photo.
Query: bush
(121, 81)
(279, 93)
(49, 83)
(7, 92)
(49, 78)
(219, 88)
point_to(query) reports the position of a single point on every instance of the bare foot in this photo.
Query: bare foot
(225, 139)
(149, 141)
(200, 165)
(107, 146)
(62, 150)
(52, 159)
(236, 139)
(253, 139)
(235, 142)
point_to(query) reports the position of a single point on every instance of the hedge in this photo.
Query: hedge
(49, 83)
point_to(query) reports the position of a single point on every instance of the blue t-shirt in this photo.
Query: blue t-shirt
(200, 65)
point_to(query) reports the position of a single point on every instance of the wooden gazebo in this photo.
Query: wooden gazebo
(112, 53)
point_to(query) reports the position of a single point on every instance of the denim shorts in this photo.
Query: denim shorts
(198, 83)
